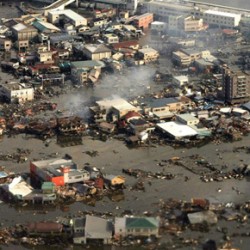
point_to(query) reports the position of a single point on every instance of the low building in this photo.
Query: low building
(187, 119)
(59, 171)
(181, 59)
(180, 80)
(176, 130)
(92, 228)
(193, 24)
(143, 21)
(84, 72)
(24, 32)
(5, 44)
(96, 51)
(111, 38)
(149, 54)
(158, 26)
(133, 44)
(16, 92)
(161, 105)
(45, 27)
(136, 226)
(112, 109)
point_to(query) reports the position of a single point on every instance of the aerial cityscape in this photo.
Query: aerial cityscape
(124, 124)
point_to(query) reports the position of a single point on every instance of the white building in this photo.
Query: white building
(68, 16)
(19, 92)
(224, 19)
(164, 9)
(176, 130)
(180, 80)
(158, 26)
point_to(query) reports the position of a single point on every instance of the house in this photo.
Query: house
(132, 44)
(187, 119)
(24, 32)
(111, 109)
(136, 226)
(180, 80)
(92, 228)
(5, 44)
(158, 26)
(176, 130)
(44, 228)
(16, 92)
(57, 170)
(22, 45)
(111, 38)
(44, 54)
(160, 105)
(148, 54)
(84, 72)
(96, 51)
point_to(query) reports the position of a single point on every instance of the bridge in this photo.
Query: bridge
(58, 5)
(218, 6)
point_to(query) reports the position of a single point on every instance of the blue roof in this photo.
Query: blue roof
(3, 174)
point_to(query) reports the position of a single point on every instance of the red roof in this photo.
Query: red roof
(125, 44)
(132, 114)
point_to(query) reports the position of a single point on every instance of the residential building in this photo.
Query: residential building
(221, 19)
(24, 32)
(83, 72)
(143, 21)
(16, 92)
(133, 44)
(92, 228)
(136, 226)
(180, 80)
(193, 24)
(57, 170)
(5, 44)
(22, 45)
(184, 57)
(111, 38)
(44, 55)
(68, 16)
(187, 119)
(96, 51)
(158, 26)
(161, 107)
(149, 54)
(181, 59)
(236, 85)
(111, 109)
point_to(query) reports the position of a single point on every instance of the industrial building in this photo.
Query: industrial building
(58, 170)
(16, 92)
(69, 16)
(221, 19)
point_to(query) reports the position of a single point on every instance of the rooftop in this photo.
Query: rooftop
(69, 13)
(221, 13)
(176, 129)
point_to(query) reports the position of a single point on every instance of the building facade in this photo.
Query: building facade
(236, 86)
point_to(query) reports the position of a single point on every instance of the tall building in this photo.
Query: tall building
(236, 85)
